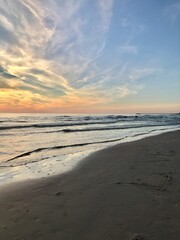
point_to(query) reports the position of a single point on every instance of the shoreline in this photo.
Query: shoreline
(46, 168)
(115, 193)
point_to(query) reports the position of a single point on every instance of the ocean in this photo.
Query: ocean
(40, 145)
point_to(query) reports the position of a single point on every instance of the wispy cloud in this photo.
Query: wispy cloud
(128, 49)
(106, 8)
(136, 74)
(58, 53)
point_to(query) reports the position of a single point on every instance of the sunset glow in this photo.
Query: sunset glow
(100, 56)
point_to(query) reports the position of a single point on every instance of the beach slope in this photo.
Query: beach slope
(128, 191)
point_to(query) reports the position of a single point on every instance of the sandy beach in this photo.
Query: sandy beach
(125, 192)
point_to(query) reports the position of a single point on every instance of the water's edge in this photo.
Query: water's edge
(50, 167)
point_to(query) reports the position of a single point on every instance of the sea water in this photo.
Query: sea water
(39, 145)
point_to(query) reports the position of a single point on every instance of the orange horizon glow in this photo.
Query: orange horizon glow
(91, 109)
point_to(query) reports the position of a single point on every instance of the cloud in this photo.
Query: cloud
(5, 74)
(58, 53)
(132, 31)
(4, 84)
(36, 85)
(106, 13)
(128, 49)
(7, 36)
(136, 74)
(7, 80)
(117, 93)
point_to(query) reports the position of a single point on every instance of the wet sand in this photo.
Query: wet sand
(128, 191)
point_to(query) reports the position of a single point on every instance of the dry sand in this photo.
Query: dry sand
(128, 191)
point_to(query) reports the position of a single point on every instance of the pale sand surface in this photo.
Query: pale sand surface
(116, 193)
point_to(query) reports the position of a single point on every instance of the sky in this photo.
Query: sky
(89, 56)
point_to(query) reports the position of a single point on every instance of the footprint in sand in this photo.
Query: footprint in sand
(138, 237)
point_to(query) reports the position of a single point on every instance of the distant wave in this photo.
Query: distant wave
(68, 130)
(52, 125)
(70, 121)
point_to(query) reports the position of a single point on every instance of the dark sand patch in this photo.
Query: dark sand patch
(128, 191)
